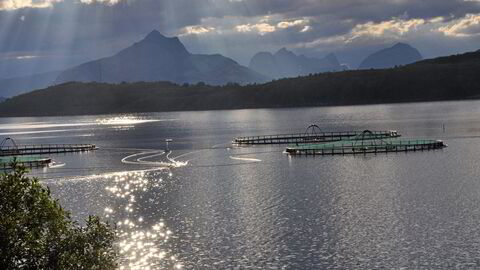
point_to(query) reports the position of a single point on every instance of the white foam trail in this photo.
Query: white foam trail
(189, 153)
(246, 159)
(56, 165)
(155, 153)
(176, 163)
(220, 144)
(151, 154)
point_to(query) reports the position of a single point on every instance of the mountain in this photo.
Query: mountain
(285, 64)
(398, 55)
(19, 85)
(446, 78)
(159, 58)
(2, 99)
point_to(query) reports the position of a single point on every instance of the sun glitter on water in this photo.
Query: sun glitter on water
(141, 246)
(124, 120)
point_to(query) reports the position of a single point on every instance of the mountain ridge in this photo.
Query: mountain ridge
(10, 87)
(286, 64)
(161, 58)
(449, 78)
(397, 55)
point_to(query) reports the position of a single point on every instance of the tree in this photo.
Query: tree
(37, 233)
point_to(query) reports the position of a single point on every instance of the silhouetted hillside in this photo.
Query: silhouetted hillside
(158, 58)
(452, 78)
(398, 55)
(470, 57)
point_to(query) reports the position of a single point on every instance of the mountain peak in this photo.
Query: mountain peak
(401, 45)
(155, 36)
(397, 55)
(160, 58)
(283, 52)
(332, 59)
(155, 40)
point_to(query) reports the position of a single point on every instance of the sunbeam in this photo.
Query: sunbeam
(239, 134)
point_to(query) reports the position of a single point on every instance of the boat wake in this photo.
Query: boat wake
(55, 165)
(246, 159)
(145, 158)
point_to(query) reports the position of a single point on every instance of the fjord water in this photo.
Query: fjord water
(223, 207)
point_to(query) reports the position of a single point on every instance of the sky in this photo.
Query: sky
(43, 35)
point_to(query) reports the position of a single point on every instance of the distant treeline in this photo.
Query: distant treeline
(448, 78)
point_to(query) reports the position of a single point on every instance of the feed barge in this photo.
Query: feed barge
(366, 146)
(313, 134)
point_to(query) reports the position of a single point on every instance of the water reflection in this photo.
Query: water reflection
(222, 211)
(124, 120)
(142, 245)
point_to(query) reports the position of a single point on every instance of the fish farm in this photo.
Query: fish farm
(27, 155)
(364, 144)
(21, 150)
(30, 162)
(313, 134)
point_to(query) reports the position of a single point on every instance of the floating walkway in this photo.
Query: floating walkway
(363, 145)
(313, 134)
(42, 149)
(30, 162)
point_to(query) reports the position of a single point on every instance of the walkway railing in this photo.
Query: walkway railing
(45, 149)
(301, 138)
(365, 147)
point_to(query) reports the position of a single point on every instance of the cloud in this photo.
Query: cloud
(287, 24)
(388, 29)
(17, 4)
(108, 2)
(306, 28)
(465, 27)
(261, 28)
(196, 30)
(88, 29)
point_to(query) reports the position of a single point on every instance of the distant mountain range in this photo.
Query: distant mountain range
(398, 55)
(19, 85)
(446, 78)
(158, 58)
(286, 64)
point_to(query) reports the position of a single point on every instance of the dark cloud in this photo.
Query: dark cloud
(71, 31)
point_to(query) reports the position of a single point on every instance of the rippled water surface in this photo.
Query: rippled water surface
(208, 205)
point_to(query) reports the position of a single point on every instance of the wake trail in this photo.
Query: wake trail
(246, 159)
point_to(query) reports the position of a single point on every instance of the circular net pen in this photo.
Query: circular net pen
(313, 134)
(27, 161)
(365, 143)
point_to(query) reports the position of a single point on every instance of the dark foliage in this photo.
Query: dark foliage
(36, 233)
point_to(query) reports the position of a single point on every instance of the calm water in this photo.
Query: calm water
(256, 208)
